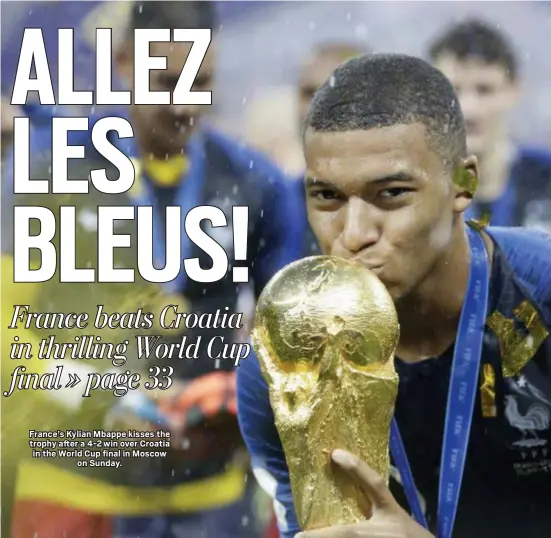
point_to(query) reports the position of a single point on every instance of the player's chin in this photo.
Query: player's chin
(384, 274)
(395, 288)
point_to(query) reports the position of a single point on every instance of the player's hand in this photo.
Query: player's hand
(388, 519)
(159, 396)
(136, 411)
(203, 416)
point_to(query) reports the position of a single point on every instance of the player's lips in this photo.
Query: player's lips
(373, 267)
(377, 271)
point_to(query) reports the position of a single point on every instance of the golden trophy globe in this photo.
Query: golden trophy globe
(325, 334)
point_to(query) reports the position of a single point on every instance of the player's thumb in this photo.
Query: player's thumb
(372, 484)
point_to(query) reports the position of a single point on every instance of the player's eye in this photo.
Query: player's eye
(324, 194)
(202, 81)
(395, 192)
(484, 89)
(168, 82)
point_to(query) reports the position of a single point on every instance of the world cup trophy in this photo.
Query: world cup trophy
(325, 334)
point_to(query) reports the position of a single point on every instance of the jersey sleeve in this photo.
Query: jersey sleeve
(281, 229)
(257, 425)
(528, 253)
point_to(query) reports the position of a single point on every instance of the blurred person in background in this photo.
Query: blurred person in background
(201, 491)
(270, 127)
(483, 67)
(51, 497)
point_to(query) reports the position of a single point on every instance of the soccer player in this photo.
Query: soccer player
(388, 181)
(180, 161)
(480, 62)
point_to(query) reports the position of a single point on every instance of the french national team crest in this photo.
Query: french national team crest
(528, 411)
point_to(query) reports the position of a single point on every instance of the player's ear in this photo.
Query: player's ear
(465, 179)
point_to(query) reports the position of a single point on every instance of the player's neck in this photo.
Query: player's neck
(494, 168)
(430, 315)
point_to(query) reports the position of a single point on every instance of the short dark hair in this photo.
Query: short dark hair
(181, 14)
(382, 90)
(474, 39)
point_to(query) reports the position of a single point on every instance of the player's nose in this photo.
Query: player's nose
(361, 226)
(470, 106)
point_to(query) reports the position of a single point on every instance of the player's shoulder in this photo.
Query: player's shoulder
(516, 241)
(535, 154)
(250, 164)
(527, 251)
(532, 164)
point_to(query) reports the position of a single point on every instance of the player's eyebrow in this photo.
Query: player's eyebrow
(314, 182)
(398, 176)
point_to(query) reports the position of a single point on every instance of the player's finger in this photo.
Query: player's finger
(372, 484)
(339, 531)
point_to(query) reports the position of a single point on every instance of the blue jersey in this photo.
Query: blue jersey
(507, 479)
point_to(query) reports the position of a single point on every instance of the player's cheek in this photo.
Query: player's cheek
(326, 227)
(409, 239)
(405, 227)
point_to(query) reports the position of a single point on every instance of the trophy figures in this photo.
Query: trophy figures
(325, 334)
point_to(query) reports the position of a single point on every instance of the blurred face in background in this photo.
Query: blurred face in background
(167, 128)
(486, 94)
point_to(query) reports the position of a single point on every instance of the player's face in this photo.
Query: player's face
(486, 94)
(383, 197)
(170, 126)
